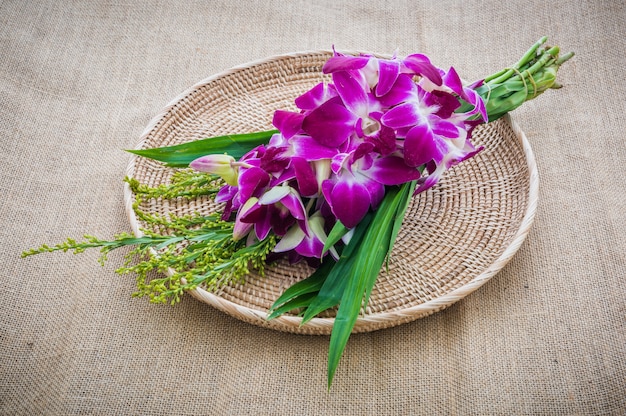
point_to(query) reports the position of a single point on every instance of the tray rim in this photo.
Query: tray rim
(365, 322)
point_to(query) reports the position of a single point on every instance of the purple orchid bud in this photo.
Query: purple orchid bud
(221, 165)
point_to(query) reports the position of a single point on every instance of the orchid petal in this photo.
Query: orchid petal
(330, 124)
(350, 201)
(280, 224)
(477, 101)
(288, 198)
(352, 91)
(310, 149)
(290, 240)
(403, 90)
(421, 146)
(251, 181)
(361, 151)
(445, 129)
(315, 97)
(241, 228)
(392, 170)
(226, 193)
(453, 81)
(468, 153)
(263, 227)
(338, 162)
(403, 115)
(344, 63)
(388, 73)
(420, 65)
(428, 182)
(445, 102)
(252, 212)
(375, 189)
(289, 123)
(305, 176)
(385, 142)
(310, 247)
(273, 160)
(284, 176)
(294, 204)
(274, 195)
(278, 140)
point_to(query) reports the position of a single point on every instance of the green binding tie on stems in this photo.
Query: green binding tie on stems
(507, 89)
(506, 73)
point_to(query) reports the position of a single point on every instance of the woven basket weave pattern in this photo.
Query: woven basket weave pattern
(455, 236)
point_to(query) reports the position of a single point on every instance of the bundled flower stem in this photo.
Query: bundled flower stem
(535, 72)
(330, 186)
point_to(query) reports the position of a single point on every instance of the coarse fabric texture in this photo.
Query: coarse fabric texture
(79, 82)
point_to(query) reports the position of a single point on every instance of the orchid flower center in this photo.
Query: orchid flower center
(370, 126)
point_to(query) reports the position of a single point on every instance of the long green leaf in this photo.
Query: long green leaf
(337, 232)
(301, 301)
(400, 205)
(179, 156)
(311, 284)
(407, 194)
(361, 277)
(331, 292)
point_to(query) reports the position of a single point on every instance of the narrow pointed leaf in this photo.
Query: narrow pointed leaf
(311, 284)
(330, 293)
(334, 286)
(407, 194)
(181, 155)
(336, 234)
(302, 301)
(362, 275)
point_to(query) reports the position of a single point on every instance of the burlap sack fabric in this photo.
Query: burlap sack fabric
(80, 81)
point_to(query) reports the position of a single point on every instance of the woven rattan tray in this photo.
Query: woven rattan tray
(454, 238)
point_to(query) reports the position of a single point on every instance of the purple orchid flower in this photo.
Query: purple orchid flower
(359, 182)
(379, 123)
(307, 245)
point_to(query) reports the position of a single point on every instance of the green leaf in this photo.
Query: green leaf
(335, 284)
(311, 284)
(338, 231)
(302, 301)
(179, 156)
(331, 292)
(406, 195)
(361, 274)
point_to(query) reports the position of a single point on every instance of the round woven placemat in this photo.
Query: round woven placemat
(454, 238)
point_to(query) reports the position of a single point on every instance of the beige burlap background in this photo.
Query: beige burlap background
(79, 81)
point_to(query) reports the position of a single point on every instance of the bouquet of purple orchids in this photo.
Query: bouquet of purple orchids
(330, 186)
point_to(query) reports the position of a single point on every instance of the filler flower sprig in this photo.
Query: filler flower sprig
(330, 186)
